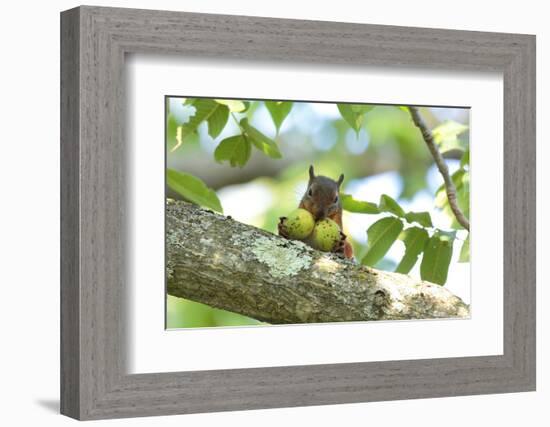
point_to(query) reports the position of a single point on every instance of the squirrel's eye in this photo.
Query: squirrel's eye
(336, 199)
(310, 192)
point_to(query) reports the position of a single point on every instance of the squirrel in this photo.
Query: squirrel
(322, 200)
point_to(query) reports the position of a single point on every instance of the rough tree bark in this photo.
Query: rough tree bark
(217, 261)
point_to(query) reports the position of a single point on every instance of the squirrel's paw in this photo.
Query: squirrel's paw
(281, 227)
(340, 246)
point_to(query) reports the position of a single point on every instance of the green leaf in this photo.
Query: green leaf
(171, 131)
(261, 142)
(353, 114)
(437, 257)
(415, 239)
(423, 218)
(446, 136)
(234, 105)
(247, 105)
(235, 149)
(193, 189)
(463, 195)
(217, 121)
(361, 108)
(465, 251)
(278, 111)
(179, 139)
(448, 130)
(465, 160)
(387, 204)
(204, 109)
(352, 205)
(381, 236)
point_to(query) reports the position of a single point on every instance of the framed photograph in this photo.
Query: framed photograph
(262, 213)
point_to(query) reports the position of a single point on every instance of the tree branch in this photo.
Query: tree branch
(217, 261)
(441, 165)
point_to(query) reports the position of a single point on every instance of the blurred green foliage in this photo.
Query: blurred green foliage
(182, 313)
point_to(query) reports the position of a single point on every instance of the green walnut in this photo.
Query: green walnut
(299, 224)
(325, 235)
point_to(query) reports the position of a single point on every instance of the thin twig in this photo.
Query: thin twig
(441, 165)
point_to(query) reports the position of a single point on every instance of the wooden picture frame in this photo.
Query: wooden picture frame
(94, 41)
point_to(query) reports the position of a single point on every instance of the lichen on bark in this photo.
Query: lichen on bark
(215, 260)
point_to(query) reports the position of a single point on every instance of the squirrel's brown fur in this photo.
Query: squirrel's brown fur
(322, 200)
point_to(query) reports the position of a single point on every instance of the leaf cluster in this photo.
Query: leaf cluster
(415, 230)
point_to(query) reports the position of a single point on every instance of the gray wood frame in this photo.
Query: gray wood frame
(94, 41)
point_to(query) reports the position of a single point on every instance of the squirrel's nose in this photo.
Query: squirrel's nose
(321, 214)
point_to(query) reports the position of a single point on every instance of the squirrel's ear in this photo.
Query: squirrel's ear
(311, 173)
(340, 180)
